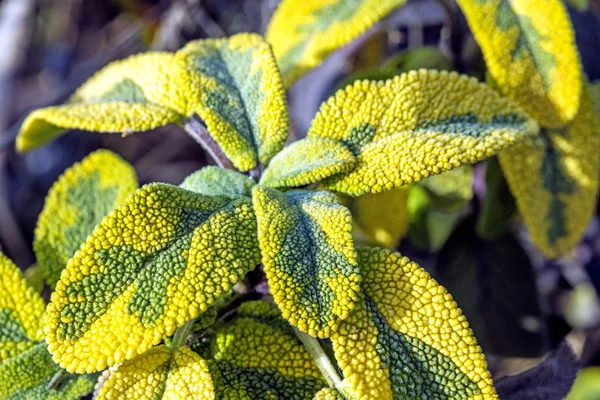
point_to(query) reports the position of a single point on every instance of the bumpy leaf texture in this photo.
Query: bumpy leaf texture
(214, 181)
(407, 338)
(21, 312)
(258, 357)
(233, 84)
(305, 32)
(28, 375)
(418, 124)
(328, 394)
(308, 255)
(160, 373)
(155, 262)
(529, 48)
(76, 203)
(554, 179)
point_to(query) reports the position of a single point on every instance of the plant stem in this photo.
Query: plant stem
(57, 379)
(181, 334)
(327, 369)
(198, 132)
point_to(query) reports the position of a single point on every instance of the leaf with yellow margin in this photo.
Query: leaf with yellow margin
(415, 125)
(305, 32)
(257, 356)
(139, 93)
(308, 256)
(236, 89)
(530, 51)
(76, 203)
(307, 161)
(554, 179)
(29, 376)
(407, 338)
(151, 265)
(160, 373)
(21, 312)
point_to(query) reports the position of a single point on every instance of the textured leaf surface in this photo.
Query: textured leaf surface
(307, 251)
(529, 48)
(160, 373)
(450, 189)
(237, 91)
(408, 338)
(27, 376)
(595, 93)
(307, 161)
(304, 33)
(258, 357)
(139, 93)
(76, 203)
(416, 125)
(328, 394)
(160, 259)
(214, 181)
(21, 312)
(554, 179)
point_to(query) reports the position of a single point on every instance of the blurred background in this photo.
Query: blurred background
(463, 227)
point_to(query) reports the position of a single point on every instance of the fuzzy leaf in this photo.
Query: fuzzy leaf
(554, 179)
(139, 93)
(418, 124)
(160, 373)
(76, 203)
(28, 375)
(21, 312)
(307, 161)
(308, 255)
(305, 32)
(157, 261)
(237, 91)
(328, 394)
(530, 51)
(258, 357)
(214, 181)
(407, 338)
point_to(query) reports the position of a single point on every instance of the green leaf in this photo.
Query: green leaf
(407, 338)
(328, 394)
(21, 312)
(305, 33)
(160, 373)
(76, 203)
(155, 262)
(587, 385)
(257, 356)
(494, 284)
(214, 181)
(237, 91)
(595, 94)
(28, 375)
(580, 5)
(530, 51)
(308, 256)
(416, 125)
(33, 276)
(554, 179)
(452, 189)
(139, 93)
(307, 161)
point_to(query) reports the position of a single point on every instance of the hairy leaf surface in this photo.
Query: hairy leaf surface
(76, 203)
(418, 124)
(529, 48)
(236, 89)
(160, 373)
(304, 33)
(554, 179)
(28, 375)
(214, 181)
(21, 312)
(307, 251)
(157, 261)
(139, 93)
(307, 161)
(258, 357)
(407, 338)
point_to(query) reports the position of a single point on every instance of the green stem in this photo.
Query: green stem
(181, 334)
(327, 369)
(57, 379)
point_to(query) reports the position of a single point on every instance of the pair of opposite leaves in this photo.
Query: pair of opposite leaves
(405, 337)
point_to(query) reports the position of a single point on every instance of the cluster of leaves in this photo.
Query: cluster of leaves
(134, 271)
